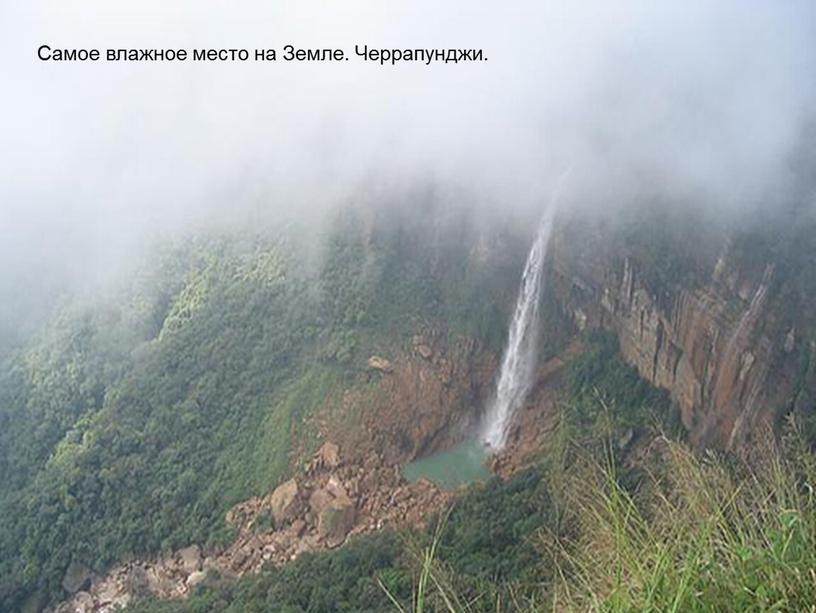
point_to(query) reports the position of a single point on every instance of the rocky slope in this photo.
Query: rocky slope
(423, 397)
(332, 500)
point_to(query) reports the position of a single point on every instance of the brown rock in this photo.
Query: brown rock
(196, 578)
(335, 521)
(424, 351)
(282, 502)
(298, 527)
(378, 363)
(335, 487)
(190, 559)
(329, 455)
(319, 500)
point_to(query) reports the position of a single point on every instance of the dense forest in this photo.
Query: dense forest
(135, 418)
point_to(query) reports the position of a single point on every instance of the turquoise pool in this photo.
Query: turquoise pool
(453, 467)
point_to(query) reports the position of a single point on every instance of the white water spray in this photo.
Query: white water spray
(519, 359)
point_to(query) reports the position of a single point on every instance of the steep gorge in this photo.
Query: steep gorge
(409, 363)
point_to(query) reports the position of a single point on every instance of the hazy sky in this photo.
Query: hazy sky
(697, 98)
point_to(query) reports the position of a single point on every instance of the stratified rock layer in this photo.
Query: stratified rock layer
(715, 346)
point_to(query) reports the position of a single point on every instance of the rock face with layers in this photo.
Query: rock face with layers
(714, 345)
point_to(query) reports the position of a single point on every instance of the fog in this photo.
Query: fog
(701, 102)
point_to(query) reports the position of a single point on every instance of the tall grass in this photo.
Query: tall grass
(699, 532)
(705, 533)
(433, 590)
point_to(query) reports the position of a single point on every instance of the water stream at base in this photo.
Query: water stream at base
(466, 462)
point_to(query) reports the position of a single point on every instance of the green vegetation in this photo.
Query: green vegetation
(342, 580)
(709, 536)
(592, 527)
(670, 531)
(132, 422)
(485, 554)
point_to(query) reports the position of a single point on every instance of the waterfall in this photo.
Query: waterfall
(519, 359)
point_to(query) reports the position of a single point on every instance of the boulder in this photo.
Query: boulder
(335, 487)
(110, 590)
(83, 602)
(77, 577)
(298, 527)
(335, 521)
(790, 340)
(319, 500)
(424, 351)
(190, 558)
(282, 502)
(137, 582)
(196, 578)
(328, 455)
(626, 438)
(377, 363)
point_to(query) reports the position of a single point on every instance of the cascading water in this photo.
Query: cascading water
(518, 362)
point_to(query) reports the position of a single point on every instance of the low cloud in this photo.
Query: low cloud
(698, 101)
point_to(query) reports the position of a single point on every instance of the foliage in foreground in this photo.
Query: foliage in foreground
(706, 534)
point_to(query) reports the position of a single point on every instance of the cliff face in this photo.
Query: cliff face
(423, 398)
(716, 344)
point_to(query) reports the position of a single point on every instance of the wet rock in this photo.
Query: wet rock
(77, 577)
(282, 502)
